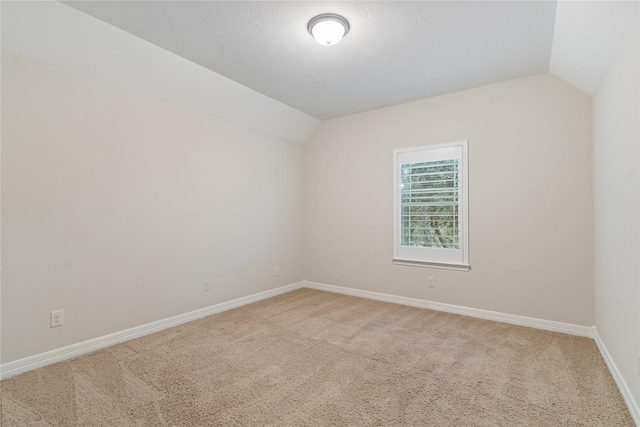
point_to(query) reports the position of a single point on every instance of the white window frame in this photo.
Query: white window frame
(453, 259)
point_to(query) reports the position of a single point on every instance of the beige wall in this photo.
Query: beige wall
(617, 212)
(531, 201)
(117, 206)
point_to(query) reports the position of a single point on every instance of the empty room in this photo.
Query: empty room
(319, 213)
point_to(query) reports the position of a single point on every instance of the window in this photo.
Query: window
(430, 214)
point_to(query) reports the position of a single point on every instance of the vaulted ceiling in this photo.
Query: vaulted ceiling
(254, 63)
(395, 52)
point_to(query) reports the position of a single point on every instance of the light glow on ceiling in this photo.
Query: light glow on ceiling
(328, 29)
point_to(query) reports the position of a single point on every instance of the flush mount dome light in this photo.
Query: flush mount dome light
(328, 28)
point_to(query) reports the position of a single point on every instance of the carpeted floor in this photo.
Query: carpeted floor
(312, 358)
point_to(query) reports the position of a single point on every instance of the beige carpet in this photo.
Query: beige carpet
(321, 359)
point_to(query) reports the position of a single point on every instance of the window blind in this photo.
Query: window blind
(429, 204)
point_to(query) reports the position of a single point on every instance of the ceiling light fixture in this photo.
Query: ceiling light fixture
(328, 28)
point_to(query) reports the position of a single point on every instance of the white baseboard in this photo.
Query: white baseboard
(28, 363)
(618, 378)
(549, 325)
(32, 362)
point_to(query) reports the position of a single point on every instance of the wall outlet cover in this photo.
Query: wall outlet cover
(57, 318)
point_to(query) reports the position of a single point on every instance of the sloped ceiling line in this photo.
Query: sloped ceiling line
(60, 35)
(254, 62)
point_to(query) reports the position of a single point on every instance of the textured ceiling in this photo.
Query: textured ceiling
(395, 52)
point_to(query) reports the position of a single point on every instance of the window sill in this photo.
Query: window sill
(412, 263)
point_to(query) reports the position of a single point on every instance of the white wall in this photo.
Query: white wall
(531, 201)
(116, 206)
(617, 214)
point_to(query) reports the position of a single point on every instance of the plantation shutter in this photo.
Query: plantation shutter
(430, 206)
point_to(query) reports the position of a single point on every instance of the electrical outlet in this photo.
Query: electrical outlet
(207, 285)
(57, 318)
(276, 271)
(431, 282)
